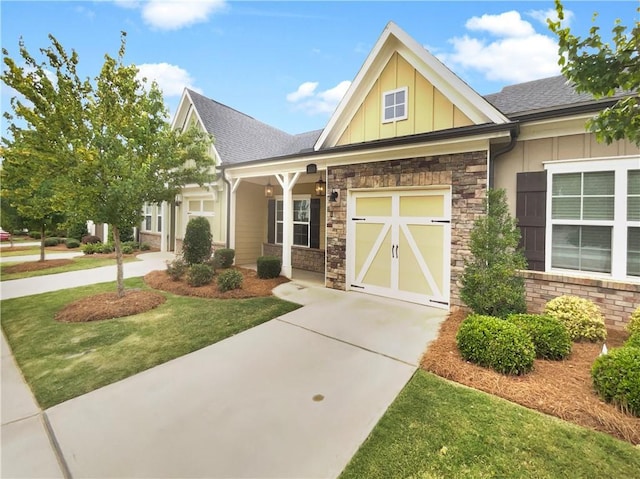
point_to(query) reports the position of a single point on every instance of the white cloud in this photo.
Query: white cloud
(305, 90)
(542, 16)
(518, 54)
(170, 78)
(508, 24)
(174, 14)
(325, 102)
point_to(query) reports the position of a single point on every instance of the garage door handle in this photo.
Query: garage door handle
(394, 255)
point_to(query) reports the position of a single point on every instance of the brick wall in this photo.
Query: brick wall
(152, 239)
(308, 259)
(466, 173)
(616, 300)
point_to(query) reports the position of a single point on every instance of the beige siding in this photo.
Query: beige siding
(529, 155)
(427, 108)
(251, 222)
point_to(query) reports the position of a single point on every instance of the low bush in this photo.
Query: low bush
(127, 249)
(177, 268)
(91, 248)
(72, 243)
(196, 246)
(91, 239)
(230, 279)
(224, 257)
(582, 317)
(52, 241)
(269, 267)
(35, 234)
(77, 230)
(634, 322)
(633, 341)
(105, 248)
(616, 378)
(199, 274)
(145, 246)
(495, 343)
(132, 244)
(550, 337)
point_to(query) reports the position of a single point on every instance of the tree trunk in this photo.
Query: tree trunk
(120, 266)
(42, 242)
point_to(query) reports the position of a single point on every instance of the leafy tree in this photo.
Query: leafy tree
(106, 145)
(603, 70)
(490, 283)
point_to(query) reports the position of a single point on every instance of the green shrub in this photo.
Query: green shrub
(490, 283)
(91, 248)
(229, 279)
(199, 274)
(72, 243)
(35, 234)
(132, 244)
(224, 257)
(495, 343)
(77, 230)
(91, 239)
(550, 337)
(633, 341)
(616, 378)
(127, 249)
(582, 317)
(105, 248)
(196, 247)
(634, 322)
(177, 268)
(52, 241)
(269, 267)
(145, 246)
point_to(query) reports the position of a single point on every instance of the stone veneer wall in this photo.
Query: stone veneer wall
(308, 259)
(616, 300)
(152, 239)
(466, 173)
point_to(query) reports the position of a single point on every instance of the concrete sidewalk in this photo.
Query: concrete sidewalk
(43, 284)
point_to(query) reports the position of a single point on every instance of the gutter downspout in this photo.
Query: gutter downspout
(224, 178)
(493, 155)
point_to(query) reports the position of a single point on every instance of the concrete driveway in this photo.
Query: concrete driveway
(292, 398)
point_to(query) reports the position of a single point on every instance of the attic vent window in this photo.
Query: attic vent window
(394, 105)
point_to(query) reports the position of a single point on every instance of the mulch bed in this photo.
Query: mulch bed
(36, 265)
(252, 286)
(109, 306)
(558, 388)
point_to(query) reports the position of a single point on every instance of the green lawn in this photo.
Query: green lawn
(437, 429)
(30, 250)
(61, 361)
(78, 263)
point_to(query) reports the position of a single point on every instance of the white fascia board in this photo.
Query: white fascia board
(184, 98)
(554, 127)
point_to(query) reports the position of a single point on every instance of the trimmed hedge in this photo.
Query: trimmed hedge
(550, 337)
(495, 343)
(634, 322)
(199, 275)
(269, 267)
(52, 241)
(229, 279)
(35, 234)
(616, 378)
(633, 341)
(91, 239)
(582, 317)
(196, 246)
(72, 243)
(224, 257)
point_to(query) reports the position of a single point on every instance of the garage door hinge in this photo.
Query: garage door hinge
(441, 221)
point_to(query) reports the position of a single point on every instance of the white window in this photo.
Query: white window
(394, 105)
(201, 207)
(148, 217)
(301, 220)
(159, 219)
(594, 217)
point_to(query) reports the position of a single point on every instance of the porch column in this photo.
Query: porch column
(105, 232)
(235, 182)
(163, 229)
(287, 182)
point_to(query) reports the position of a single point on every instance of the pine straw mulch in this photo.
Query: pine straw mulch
(35, 265)
(558, 388)
(252, 286)
(109, 306)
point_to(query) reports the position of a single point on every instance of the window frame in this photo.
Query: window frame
(619, 224)
(279, 200)
(147, 220)
(406, 105)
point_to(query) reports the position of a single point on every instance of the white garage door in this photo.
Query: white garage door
(399, 244)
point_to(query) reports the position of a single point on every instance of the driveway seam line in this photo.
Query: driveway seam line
(22, 418)
(346, 342)
(66, 472)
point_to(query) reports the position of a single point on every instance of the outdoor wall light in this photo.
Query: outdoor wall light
(320, 187)
(333, 196)
(178, 199)
(268, 189)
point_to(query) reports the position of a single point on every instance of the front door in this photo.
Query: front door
(399, 244)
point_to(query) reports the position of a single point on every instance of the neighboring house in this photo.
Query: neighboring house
(383, 199)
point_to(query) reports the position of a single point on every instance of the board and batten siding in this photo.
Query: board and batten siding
(251, 222)
(428, 109)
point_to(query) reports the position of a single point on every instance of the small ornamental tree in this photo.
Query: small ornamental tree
(196, 247)
(490, 284)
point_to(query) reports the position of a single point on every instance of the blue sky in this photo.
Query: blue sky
(288, 63)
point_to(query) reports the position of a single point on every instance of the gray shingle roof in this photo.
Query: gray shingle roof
(528, 97)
